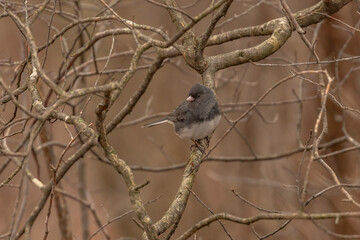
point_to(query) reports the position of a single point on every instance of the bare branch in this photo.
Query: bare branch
(266, 216)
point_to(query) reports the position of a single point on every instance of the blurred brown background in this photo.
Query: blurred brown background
(269, 130)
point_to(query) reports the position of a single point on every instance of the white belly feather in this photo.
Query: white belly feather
(199, 130)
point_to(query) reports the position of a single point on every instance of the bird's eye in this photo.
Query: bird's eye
(197, 96)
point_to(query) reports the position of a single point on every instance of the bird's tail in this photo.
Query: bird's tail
(156, 123)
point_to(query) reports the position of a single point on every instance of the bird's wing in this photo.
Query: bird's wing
(179, 113)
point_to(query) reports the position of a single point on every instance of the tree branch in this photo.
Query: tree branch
(265, 216)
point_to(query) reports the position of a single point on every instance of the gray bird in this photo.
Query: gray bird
(195, 118)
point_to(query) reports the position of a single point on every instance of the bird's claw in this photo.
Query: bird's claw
(198, 146)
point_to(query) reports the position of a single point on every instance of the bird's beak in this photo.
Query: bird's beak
(190, 99)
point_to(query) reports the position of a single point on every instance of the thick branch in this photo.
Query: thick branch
(280, 30)
(203, 39)
(279, 37)
(122, 167)
(177, 207)
(305, 18)
(188, 38)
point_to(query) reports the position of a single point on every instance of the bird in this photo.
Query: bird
(195, 118)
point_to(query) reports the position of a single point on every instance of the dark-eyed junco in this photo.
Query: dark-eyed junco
(197, 117)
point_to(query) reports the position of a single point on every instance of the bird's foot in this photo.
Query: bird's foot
(198, 146)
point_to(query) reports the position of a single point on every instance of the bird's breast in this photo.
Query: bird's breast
(198, 130)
